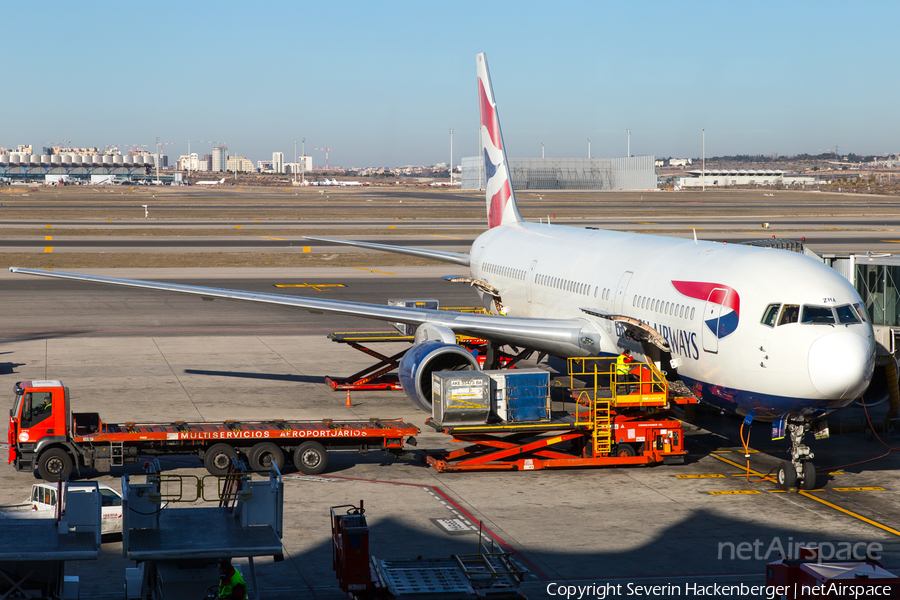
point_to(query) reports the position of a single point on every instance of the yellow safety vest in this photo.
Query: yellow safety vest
(622, 368)
(226, 586)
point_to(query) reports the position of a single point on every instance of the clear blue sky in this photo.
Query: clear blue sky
(383, 82)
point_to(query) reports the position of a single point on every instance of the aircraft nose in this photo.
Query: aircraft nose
(840, 365)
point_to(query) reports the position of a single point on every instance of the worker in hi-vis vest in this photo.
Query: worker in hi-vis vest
(231, 584)
(623, 371)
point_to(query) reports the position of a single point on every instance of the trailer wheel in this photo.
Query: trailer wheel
(263, 455)
(311, 458)
(54, 464)
(625, 450)
(218, 458)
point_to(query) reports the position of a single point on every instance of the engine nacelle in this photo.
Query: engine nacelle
(422, 360)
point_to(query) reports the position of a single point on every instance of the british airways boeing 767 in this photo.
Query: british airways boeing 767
(751, 330)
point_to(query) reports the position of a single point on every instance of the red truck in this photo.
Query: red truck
(45, 434)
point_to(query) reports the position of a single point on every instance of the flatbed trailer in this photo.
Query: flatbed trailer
(45, 434)
(616, 422)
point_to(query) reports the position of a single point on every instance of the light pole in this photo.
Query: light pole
(703, 160)
(542, 149)
(589, 148)
(189, 160)
(295, 162)
(451, 157)
(628, 150)
(303, 155)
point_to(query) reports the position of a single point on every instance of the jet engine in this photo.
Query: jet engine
(422, 360)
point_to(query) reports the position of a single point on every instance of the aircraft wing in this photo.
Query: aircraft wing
(518, 331)
(441, 255)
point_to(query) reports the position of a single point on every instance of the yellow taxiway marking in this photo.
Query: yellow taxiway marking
(256, 220)
(892, 241)
(807, 494)
(721, 451)
(449, 237)
(48, 237)
(391, 227)
(739, 466)
(315, 286)
(267, 237)
(836, 473)
(704, 476)
(859, 489)
(735, 493)
(307, 248)
(48, 249)
(109, 220)
(49, 226)
(850, 513)
(373, 271)
(645, 223)
(239, 226)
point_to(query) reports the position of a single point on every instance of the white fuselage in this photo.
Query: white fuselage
(552, 271)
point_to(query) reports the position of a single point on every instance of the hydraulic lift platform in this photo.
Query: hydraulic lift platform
(378, 376)
(614, 424)
(35, 551)
(177, 549)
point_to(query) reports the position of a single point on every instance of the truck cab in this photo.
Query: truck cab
(38, 418)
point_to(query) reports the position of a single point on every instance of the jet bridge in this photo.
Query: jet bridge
(177, 549)
(35, 551)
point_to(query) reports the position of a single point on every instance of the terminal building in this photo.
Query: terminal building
(627, 173)
(725, 177)
(74, 163)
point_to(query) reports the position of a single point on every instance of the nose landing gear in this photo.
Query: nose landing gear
(799, 472)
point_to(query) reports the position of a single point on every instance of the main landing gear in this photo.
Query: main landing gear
(799, 472)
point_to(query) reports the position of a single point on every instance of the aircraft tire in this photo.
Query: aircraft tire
(787, 476)
(263, 455)
(809, 476)
(218, 458)
(54, 464)
(310, 458)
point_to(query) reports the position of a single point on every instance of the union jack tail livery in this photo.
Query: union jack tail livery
(501, 201)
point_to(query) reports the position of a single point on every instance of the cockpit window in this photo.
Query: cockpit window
(861, 312)
(789, 314)
(818, 315)
(846, 315)
(771, 315)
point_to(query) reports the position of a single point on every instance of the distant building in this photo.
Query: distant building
(278, 162)
(725, 177)
(189, 162)
(305, 163)
(206, 162)
(239, 163)
(680, 162)
(264, 166)
(219, 157)
(628, 173)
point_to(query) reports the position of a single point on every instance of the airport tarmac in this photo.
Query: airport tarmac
(133, 355)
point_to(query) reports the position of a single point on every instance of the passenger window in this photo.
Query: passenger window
(818, 315)
(789, 314)
(846, 315)
(692, 314)
(770, 315)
